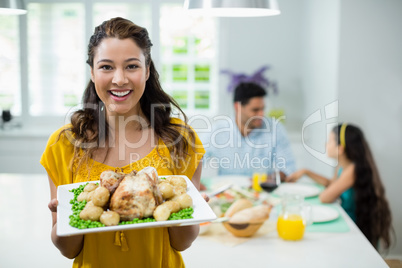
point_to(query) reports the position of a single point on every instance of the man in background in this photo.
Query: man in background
(249, 142)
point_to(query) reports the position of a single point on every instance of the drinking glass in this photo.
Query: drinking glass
(295, 216)
(271, 180)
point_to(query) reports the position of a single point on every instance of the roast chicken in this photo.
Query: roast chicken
(111, 180)
(136, 195)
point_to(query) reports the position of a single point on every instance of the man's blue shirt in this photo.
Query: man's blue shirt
(263, 149)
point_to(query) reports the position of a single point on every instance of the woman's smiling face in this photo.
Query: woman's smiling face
(119, 73)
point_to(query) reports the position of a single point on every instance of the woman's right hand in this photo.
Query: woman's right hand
(53, 205)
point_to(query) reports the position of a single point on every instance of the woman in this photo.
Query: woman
(356, 182)
(125, 125)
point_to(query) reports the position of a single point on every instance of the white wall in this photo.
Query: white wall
(370, 87)
(319, 74)
(246, 44)
(326, 51)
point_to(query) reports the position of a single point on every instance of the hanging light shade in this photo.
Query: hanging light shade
(233, 8)
(12, 7)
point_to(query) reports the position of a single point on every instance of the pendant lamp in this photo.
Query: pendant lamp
(12, 7)
(233, 8)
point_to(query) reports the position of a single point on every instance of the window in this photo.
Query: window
(10, 86)
(55, 41)
(188, 58)
(136, 12)
(56, 53)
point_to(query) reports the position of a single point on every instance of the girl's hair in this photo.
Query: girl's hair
(373, 215)
(89, 126)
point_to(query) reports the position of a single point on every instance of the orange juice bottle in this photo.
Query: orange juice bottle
(291, 226)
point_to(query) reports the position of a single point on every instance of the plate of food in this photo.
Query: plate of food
(129, 201)
(303, 189)
(324, 213)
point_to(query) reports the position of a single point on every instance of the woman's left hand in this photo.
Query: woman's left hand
(205, 196)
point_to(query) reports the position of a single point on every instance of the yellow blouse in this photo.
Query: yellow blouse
(132, 248)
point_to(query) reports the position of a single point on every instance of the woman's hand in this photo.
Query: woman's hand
(295, 176)
(205, 196)
(181, 237)
(53, 205)
(69, 246)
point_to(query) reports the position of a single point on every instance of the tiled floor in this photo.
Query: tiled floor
(25, 224)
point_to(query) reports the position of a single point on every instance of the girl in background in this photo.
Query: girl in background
(356, 182)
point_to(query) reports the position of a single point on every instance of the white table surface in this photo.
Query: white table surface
(347, 249)
(350, 249)
(26, 222)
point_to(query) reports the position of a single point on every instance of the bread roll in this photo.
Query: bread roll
(237, 206)
(257, 214)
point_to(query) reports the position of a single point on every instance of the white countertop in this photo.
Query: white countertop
(350, 249)
(28, 132)
(26, 223)
(316, 249)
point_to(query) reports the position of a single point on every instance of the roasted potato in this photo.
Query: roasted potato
(90, 195)
(110, 218)
(90, 187)
(177, 181)
(92, 213)
(163, 211)
(82, 196)
(184, 200)
(179, 190)
(166, 190)
(100, 196)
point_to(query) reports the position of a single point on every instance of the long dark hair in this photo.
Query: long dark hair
(89, 126)
(373, 215)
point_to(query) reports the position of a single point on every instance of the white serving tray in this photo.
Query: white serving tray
(202, 213)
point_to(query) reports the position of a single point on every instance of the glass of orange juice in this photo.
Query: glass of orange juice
(259, 177)
(256, 181)
(295, 216)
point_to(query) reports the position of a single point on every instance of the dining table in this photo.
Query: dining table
(25, 241)
(336, 243)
